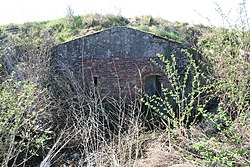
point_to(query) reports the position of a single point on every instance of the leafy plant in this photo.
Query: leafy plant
(187, 96)
(24, 120)
(22, 131)
(227, 50)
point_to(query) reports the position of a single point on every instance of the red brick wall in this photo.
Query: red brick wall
(116, 75)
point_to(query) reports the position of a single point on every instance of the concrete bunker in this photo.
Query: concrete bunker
(116, 59)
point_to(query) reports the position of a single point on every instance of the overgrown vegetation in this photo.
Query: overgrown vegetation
(22, 134)
(228, 52)
(203, 117)
(221, 138)
(71, 27)
(187, 97)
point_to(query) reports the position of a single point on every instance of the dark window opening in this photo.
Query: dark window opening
(95, 81)
(153, 85)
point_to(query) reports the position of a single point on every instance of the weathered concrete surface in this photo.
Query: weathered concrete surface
(116, 55)
(115, 42)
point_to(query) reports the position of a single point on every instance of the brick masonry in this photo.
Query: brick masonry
(118, 74)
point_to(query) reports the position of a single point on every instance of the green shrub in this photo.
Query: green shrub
(227, 51)
(186, 97)
(221, 150)
(22, 131)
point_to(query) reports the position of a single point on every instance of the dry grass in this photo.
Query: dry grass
(161, 153)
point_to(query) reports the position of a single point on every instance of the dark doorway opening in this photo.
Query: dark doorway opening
(153, 85)
(95, 81)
